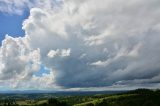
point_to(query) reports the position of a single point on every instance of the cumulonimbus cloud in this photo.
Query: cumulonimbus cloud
(106, 43)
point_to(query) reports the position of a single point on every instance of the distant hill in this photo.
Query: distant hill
(60, 92)
(25, 91)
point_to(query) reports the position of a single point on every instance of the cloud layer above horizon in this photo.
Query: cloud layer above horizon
(84, 44)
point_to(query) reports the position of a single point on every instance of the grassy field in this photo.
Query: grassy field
(31, 102)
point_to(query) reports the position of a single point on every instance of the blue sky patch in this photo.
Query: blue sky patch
(42, 70)
(11, 24)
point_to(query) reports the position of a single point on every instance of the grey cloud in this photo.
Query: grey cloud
(128, 30)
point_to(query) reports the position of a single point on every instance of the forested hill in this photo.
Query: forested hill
(139, 97)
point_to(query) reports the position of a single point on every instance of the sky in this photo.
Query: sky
(11, 24)
(72, 45)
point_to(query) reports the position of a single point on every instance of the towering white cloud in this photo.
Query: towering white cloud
(18, 61)
(90, 43)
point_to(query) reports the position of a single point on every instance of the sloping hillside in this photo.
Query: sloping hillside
(140, 97)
